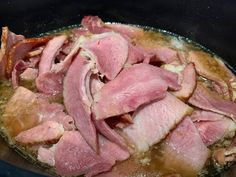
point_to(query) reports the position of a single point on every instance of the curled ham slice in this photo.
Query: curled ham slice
(49, 53)
(134, 86)
(76, 100)
(110, 52)
(207, 100)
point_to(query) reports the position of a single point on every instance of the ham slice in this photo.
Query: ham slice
(133, 87)
(219, 74)
(47, 131)
(8, 39)
(185, 152)
(212, 127)
(152, 122)
(21, 49)
(110, 52)
(76, 100)
(49, 53)
(74, 157)
(207, 100)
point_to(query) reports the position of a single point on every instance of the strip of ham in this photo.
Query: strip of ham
(44, 132)
(76, 101)
(207, 100)
(152, 122)
(21, 49)
(134, 86)
(8, 39)
(212, 127)
(110, 52)
(184, 150)
(74, 157)
(49, 53)
(220, 74)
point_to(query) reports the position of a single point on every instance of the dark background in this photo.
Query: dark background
(211, 23)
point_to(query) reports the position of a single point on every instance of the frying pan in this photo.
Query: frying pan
(211, 23)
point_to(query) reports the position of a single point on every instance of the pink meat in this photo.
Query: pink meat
(207, 100)
(188, 84)
(212, 126)
(76, 100)
(152, 122)
(133, 87)
(8, 39)
(110, 51)
(74, 157)
(49, 53)
(50, 83)
(46, 131)
(185, 152)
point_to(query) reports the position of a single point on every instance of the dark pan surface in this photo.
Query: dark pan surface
(210, 23)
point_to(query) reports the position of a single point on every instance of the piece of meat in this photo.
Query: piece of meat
(213, 69)
(207, 100)
(21, 111)
(46, 155)
(8, 39)
(188, 84)
(152, 122)
(49, 53)
(35, 52)
(44, 132)
(29, 74)
(185, 152)
(109, 51)
(95, 85)
(50, 83)
(76, 100)
(212, 127)
(20, 50)
(19, 67)
(74, 157)
(134, 86)
(109, 133)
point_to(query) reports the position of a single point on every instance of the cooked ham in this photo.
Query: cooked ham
(133, 87)
(49, 53)
(44, 132)
(46, 155)
(29, 74)
(76, 100)
(19, 67)
(50, 83)
(74, 157)
(219, 73)
(212, 127)
(21, 111)
(152, 122)
(8, 39)
(20, 50)
(184, 150)
(207, 100)
(110, 52)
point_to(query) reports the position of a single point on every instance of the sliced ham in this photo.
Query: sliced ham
(74, 157)
(184, 150)
(213, 69)
(133, 87)
(152, 122)
(44, 132)
(50, 83)
(20, 50)
(205, 99)
(8, 39)
(110, 52)
(49, 53)
(76, 100)
(46, 155)
(212, 127)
